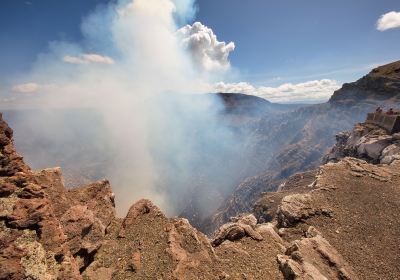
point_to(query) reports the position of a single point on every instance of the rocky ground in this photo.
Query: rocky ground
(330, 223)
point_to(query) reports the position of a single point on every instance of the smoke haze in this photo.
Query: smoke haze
(123, 99)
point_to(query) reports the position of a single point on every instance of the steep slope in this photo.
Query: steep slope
(353, 204)
(305, 135)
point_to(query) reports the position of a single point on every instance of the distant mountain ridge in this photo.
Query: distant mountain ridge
(381, 84)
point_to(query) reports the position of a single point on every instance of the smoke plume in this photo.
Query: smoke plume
(123, 99)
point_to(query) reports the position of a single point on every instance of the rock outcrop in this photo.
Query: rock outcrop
(33, 245)
(240, 227)
(313, 257)
(337, 226)
(366, 141)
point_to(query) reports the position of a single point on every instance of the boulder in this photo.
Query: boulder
(84, 231)
(314, 258)
(240, 227)
(390, 153)
(98, 197)
(294, 208)
(396, 136)
(373, 147)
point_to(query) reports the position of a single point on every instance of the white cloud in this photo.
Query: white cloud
(388, 21)
(26, 88)
(207, 52)
(31, 88)
(88, 58)
(311, 91)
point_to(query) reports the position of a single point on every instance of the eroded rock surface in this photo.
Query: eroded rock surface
(365, 141)
(314, 258)
(240, 227)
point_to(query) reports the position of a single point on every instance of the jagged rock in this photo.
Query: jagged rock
(248, 219)
(28, 213)
(51, 181)
(190, 252)
(6, 189)
(10, 257)
(32, 191)
(339, 150)
(312, 232)
(366, 141)
(390, 153)
(314, 258)
(98, 197)
(373, 147)
(10, 162)
(142, 207)
(84, 231)
(241, 227)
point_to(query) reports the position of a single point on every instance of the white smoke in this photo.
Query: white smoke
(208, 53)
(133, 68)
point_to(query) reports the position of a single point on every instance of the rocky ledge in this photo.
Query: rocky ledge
(368, 142)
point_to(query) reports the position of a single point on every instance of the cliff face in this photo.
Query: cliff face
(306, 134)
(332, 228)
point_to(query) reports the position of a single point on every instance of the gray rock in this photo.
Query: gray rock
(294, 208)
(373, 147)
(390, 153)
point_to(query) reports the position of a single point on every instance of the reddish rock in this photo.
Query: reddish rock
(83, 229)
(10, 258)
(142, 207)
(98, 197)
(32, 191)
(6, 189)
(28, 213)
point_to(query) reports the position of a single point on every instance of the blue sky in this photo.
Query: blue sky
(276, 42)
(303, 39)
